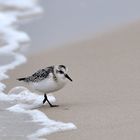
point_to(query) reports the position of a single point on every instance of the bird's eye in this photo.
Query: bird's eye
(61, 72)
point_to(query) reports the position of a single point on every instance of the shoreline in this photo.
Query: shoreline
(103, 101)
(12, 38)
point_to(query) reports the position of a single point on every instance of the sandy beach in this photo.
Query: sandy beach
(104, 99)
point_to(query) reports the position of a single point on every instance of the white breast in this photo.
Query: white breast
(48, 85)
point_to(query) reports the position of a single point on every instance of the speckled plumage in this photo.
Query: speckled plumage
(40, 75)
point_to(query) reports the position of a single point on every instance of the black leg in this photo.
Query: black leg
(46, 99)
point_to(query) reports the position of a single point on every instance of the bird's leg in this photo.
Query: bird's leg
(46, 99)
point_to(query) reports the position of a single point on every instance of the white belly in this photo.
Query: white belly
(47, 85)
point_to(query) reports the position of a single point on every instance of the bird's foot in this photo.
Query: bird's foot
(46, 99)
(54, 105)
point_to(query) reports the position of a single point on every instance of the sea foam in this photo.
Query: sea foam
(28, 102)
(25, 101)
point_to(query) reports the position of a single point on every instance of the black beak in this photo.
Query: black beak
(68, 77)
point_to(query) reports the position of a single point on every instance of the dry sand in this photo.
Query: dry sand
(104, 99)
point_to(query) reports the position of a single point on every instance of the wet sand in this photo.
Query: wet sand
(104, 99)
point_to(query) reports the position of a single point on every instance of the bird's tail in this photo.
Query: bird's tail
(21, 79)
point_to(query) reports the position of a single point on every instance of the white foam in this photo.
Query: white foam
(11, 35)
(27, 7)
(19, 59)
(20, 4)
(50, 126)
(24, 101)
(12, 38)
(28, 102)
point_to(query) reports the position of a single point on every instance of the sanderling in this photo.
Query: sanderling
(47, 80)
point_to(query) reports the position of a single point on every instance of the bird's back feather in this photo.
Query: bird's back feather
(38, 76)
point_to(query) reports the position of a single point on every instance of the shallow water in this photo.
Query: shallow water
(13, 125)
(19, 116)
(6, 59)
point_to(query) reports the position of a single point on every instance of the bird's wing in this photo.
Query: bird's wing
(39, 75)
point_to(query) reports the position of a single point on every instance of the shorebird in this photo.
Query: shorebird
(47, 80)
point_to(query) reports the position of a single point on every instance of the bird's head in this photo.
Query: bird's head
(61, 72)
